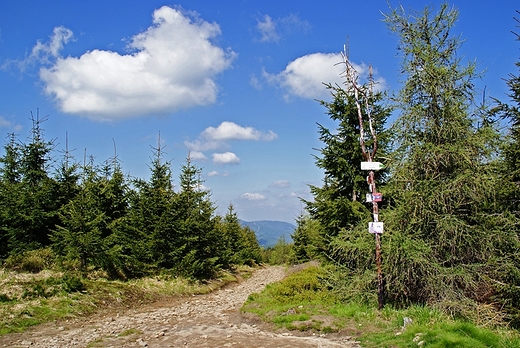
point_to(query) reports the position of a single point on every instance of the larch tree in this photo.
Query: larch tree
(446, 241)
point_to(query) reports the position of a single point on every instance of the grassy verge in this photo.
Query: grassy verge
(302, 302)
(28, 299)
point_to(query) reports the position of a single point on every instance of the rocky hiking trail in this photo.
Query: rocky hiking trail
(211, 320)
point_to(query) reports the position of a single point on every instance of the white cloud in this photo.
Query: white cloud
(267, 29)
(225, 158)
(304, 76)
(204, 145)
(43, 53)
(172, 66)
(280, 184)
(4, 123)
(232, 131)
(273, 30)
(197, 156)
(213, 138)
(60, 36)
(255, 82)
(213, 173)
(203, 188)
(253, 196)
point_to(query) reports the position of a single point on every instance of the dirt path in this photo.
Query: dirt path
(211, 320)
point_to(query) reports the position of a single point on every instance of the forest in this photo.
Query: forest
(450, 188)
(93, 217)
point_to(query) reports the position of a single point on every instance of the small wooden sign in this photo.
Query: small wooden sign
(369, 198)
(375, 227)
(371, 165)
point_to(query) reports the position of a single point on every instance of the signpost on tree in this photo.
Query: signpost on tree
(363, 98)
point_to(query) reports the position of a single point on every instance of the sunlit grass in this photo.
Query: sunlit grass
(302, 302)
(28, 299)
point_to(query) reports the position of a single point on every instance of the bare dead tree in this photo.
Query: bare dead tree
(363, 95)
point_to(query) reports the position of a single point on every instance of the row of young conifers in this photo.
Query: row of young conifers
(92, 217)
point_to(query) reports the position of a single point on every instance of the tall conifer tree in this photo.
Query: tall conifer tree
(445, 239)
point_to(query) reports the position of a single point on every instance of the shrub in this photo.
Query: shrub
(33, 261)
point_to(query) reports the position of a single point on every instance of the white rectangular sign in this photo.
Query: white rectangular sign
(371, 165)
(375, 227)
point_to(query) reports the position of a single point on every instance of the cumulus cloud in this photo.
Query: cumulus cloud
(172, 65)
(253, 196)
(304, 76)
(232, 131)
(213, 138)
(197, 155)
(280, 184)
(225, 158)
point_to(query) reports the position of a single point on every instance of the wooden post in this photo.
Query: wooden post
(375, 212)
(362, 97)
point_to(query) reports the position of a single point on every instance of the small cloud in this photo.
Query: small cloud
(255, 82)
(213, 138)
(4, 123)
(197, 156)
(304, 76)
(273, 30)
(225, 158)
(44, 53)
(267, 29)
(253, 196)
(232, 131)
(204, 145)
(216, 173)
(203, 188)
(280, 184)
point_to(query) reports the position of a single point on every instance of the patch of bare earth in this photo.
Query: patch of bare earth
(211, 320)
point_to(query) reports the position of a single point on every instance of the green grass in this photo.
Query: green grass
(129, 332)
(302, 302)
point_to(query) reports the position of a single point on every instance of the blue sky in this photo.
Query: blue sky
(234, 84)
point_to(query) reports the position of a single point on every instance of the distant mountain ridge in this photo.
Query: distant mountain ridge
(268, 232)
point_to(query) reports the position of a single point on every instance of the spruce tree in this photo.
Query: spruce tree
(196, 225)
(10, 178)
(240, 243)
(338, 205)
(307, 239)
(79, 236)
(35, 208)
(151, 221)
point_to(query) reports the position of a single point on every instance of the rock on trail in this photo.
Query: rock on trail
(211, 320)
